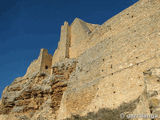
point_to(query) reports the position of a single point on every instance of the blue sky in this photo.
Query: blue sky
(26, 26)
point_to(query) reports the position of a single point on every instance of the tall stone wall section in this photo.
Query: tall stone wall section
(62, 51)
(110, 74)
(79, 32)
(73, 40)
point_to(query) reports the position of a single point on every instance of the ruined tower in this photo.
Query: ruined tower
(42, 64)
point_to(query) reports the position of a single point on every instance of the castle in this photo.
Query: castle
(72, 43)
(98, 72)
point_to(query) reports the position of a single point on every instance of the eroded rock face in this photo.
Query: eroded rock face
(98, 72)
(152, 79)
(38, 96)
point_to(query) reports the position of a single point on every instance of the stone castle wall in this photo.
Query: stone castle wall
(115, 70)
(46, 62)
(63, 45)
(73, 40)
(42, 64)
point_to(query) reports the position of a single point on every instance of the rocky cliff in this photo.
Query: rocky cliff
(98, 72)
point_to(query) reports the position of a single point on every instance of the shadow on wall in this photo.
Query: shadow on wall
(109, 114)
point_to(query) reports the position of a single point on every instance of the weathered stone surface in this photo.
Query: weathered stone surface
(80, 31)
(62, 51)
(42, 64)
(97, 72)
(37, 95)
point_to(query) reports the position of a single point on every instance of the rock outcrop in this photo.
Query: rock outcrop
(98, 72)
